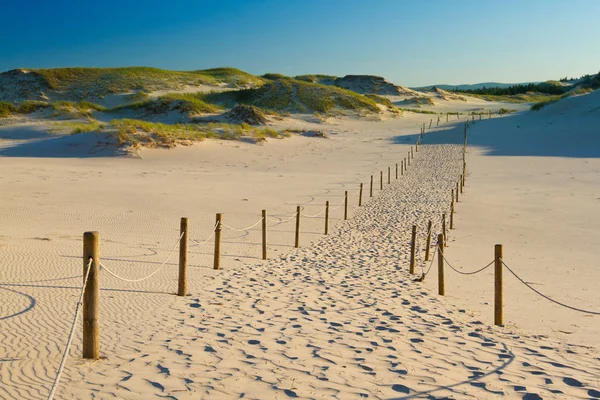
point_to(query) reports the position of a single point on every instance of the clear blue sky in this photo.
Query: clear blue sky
(410, 42)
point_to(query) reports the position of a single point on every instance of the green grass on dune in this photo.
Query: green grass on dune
(517, 98)
(26, 107)
(190, 103)
(138, 133)
(99, 82)
(282, 93)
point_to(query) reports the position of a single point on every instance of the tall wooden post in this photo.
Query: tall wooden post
(409, 158)
(218, 229)
(464, 174)
(183, 255)
(440, 249)
(297, 241)
(413, 248)
(327, 215)
(264, 234)
(380, 180)
(457, 191)
(412, 154)
(91, 295)
(460, 180)
(427, 247)
(444, 230)
(396, 170)
(360, 195)
(345, 205)
(402, 167)
(371, 189)
(452, 214)
(389, 175)
(498, 287)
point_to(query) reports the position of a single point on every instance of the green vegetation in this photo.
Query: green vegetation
(231, 75)
(518, 98)
(416, 110)
(137, 133)
(281, 93)
(317, 78)
(549, 100)
(98, 82)
(383, 101)
(78, 127)
(549, 87)
(75, 109)
(6, 109)
(190, 103)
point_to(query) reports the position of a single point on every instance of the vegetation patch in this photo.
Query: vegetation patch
(77, 127)
(137, 133)
(416, 110)
(281, 93)
(190, 103)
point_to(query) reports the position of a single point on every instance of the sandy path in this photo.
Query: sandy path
(339, 319)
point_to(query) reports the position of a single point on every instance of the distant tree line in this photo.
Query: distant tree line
(586, 81)
(547, 88)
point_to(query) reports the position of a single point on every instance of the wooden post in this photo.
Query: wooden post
(498, 287)
(327, 215)
(346, 205)
(417, 146)
(380, 180)
(396, 170)
(412, 154)
(452, 214)
(430, 122)
(441, 285)
(297, 241)
(409, 158)
(457, 191)
(464, 174)
(371, 189)
(264, 234)
(413, 248)
(446, 117)
(460, 179)
(429, 227)
(183, 253)
(360, 195)
(402, 167)
(389, 175)
(218, 229)
(444, 230)
(91, 295)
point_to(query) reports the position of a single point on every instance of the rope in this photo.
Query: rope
(547, 297)
(430, 264)
(314, 216)
(338, 206)
(241, 230)
(71, 334)
(278, 221)
(466, 273)
(152, 274)
(208, 238)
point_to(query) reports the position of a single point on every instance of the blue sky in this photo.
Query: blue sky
(410, 42)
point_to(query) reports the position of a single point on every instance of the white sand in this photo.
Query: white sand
(337, 318)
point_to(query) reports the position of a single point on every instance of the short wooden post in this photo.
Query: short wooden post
(327, 216)
(380, 180)
(402, 167)
(460, 180)
(389, 175)
(440, 249)
(345, 205)
(409, 158)
(183, 254)
(452, 214)
(473, 118)
(444, 230)
(264, 234)
(430, 122)
(412, 154)
(91, 295)
(413, 248)
(360, 195)
(464, 174)
(446, 117)
(297, 241)
(498, 287)
(218, 229)
(371, 189)
(429, 227)
(396, 170)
